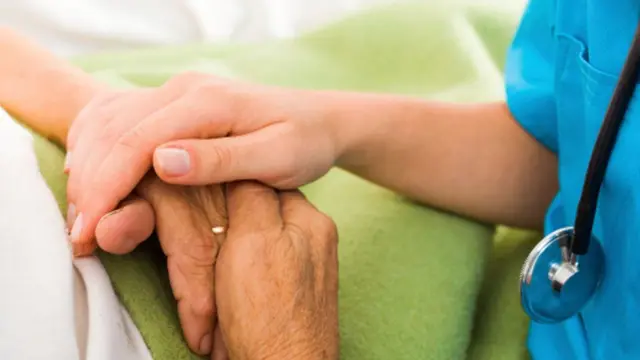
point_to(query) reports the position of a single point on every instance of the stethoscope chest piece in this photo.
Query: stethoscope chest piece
(556, 284)
(563, 272)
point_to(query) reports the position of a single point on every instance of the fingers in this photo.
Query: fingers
(252, 207)
(219, 347)
(261, 155)
(79, 122)
(299, 212)
(122, 230)
(196, 327)
(67, 162)
(97, 124)
(131, 156)
(191, 247)
(295, 206)
(301, 216)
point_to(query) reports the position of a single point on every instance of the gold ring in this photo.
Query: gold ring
(217, 230)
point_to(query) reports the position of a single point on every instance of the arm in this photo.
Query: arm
(46, 93)
(474, 160)
(40, 89)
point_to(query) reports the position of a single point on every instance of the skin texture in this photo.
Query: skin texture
(471, 159)
(183, 218)
(271, 233)
(110, 124)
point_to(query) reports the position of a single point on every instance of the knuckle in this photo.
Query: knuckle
(101, 107)
(205, 90)
(107, 133)
(132, 140)
(213, 89)
(98, 111)
(299, 232)
(220, 159)
(229, 97)
(216, 116)
(203, 306)
(327, 229)
(198, 256)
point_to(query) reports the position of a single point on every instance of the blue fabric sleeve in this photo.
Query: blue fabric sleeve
(529, 73)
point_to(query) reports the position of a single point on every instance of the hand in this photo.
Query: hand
(241, 131)
(184, 217)
(46, 93)
(277, 277)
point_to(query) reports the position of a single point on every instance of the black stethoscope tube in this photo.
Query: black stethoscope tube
(564, 270)
(603, 148)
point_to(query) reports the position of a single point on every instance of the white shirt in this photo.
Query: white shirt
(51, 306)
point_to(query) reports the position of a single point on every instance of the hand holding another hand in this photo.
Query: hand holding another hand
(196, 129)
(279, 136)
(231, 131)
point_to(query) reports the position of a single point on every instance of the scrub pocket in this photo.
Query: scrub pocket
(612, 319)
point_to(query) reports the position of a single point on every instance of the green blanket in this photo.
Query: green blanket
(414, 283)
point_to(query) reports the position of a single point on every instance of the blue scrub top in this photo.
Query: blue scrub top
(561, 72)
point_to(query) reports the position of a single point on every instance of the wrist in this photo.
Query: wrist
(300, 351)
(40, 89)
(294, 343)
(348, 122)
(361, 124)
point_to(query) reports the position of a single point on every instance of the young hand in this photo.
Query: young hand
(196, 129)
(277, 277)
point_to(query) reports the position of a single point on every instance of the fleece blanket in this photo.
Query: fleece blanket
(415, 283)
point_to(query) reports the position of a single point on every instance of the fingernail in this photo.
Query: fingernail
(173, 162)
(205, 344)
(110, 214)
(71, 214)
(76, 229)
(67, 160)
(81, 250)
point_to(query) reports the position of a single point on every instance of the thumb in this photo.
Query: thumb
(120, 231)
(265, 156)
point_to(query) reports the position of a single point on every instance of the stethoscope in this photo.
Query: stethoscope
(564, 270)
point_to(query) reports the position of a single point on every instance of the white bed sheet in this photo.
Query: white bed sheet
(52, 307)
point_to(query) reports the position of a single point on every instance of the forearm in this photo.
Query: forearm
(42, 90)
(474, 160)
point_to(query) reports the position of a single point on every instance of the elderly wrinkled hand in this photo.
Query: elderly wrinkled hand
(277, 277)
(275, 268)
(185, 220)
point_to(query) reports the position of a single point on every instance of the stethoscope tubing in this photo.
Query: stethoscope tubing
(603, 148)
(563, 272)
